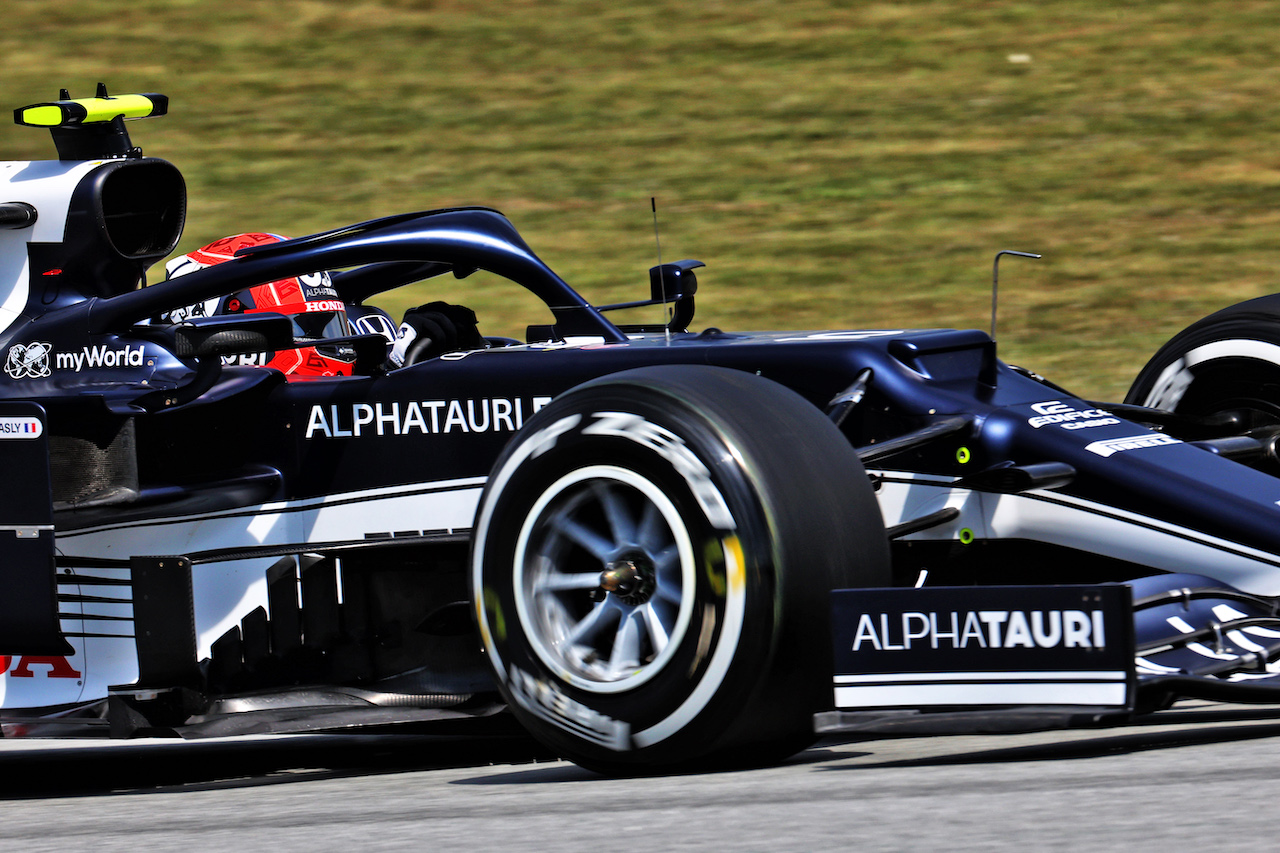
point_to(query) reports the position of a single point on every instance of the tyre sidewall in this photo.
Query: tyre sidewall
(1225, 361)
(731, 620)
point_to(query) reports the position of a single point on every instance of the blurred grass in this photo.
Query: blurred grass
(836, 164)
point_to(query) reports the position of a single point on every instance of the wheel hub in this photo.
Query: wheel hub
(631, 580)
(605, 579)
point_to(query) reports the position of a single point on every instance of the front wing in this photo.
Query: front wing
(1035, 656)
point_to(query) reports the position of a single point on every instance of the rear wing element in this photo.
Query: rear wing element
(92, 128)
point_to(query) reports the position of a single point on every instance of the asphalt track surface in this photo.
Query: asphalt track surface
(1204, 777)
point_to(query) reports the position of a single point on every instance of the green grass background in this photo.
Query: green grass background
(836, 164)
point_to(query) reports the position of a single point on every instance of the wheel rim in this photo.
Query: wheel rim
(604, 578)
(1234, 385)
(1215, 368)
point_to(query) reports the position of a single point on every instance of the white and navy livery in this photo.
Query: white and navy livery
(627, 536)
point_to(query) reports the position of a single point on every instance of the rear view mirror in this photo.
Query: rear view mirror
(201, 337)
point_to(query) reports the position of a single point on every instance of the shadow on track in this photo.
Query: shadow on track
(61, 769)
(32, 769)
(1210, 725)
(1202, 725)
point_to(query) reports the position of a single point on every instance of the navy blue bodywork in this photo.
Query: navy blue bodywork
(919, 377)
(933, 407)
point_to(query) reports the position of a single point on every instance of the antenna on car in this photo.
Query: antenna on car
(995, 282)
(662, 279)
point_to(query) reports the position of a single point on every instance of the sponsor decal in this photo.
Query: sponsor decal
(1110, 446)
(318, 285)
(248, 359)
(1174, 380)
(958, 646)
(671, 447)
(327, 305)
(986, 629)
(101, 356)
(50, 666)
(1068, 417)
(428, 417)
(374, 324)
(845, 336)
(1170, 386)
(199, 309)
(21, 428)
(28, 361)
(584, 342)
(546, 700)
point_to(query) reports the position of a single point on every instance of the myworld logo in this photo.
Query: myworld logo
(28, 361)
(100, 356)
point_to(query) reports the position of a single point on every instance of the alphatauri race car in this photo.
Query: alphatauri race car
(651, 547)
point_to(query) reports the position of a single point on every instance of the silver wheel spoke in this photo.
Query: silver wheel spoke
(651, 533)
(667, 567)
(606, 582)
(626, 645)
(559, 582)
(620, 523)
(667, 561)
(588, 626)
(658, 636)
(578, 533)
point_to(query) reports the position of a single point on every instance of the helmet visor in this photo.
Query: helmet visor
(317, 325)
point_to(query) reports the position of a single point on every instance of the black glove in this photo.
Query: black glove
(434, 329)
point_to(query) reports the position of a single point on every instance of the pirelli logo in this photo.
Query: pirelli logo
(1109, 446)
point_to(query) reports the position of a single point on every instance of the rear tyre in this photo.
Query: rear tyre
(652, 565)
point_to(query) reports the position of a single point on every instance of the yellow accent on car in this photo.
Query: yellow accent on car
(491, 602)
(736, 568)
(91, 110)
(40, 116)
(713, 565)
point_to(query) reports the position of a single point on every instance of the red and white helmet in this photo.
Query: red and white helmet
(309, 301)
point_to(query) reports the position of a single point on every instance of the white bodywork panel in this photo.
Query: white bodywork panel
(47, 186)
(1092, 528)
(223, 592)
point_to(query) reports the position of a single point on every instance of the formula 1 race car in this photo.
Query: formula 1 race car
(625, 537)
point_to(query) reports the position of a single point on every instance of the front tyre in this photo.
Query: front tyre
(1227, 362)
(652, 562)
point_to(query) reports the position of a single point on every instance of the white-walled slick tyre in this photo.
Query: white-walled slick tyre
(1227, 362)
(652, 562)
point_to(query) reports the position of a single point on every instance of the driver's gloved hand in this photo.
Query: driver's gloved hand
(434, 329)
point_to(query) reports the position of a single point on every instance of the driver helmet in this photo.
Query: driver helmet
(309, 301)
